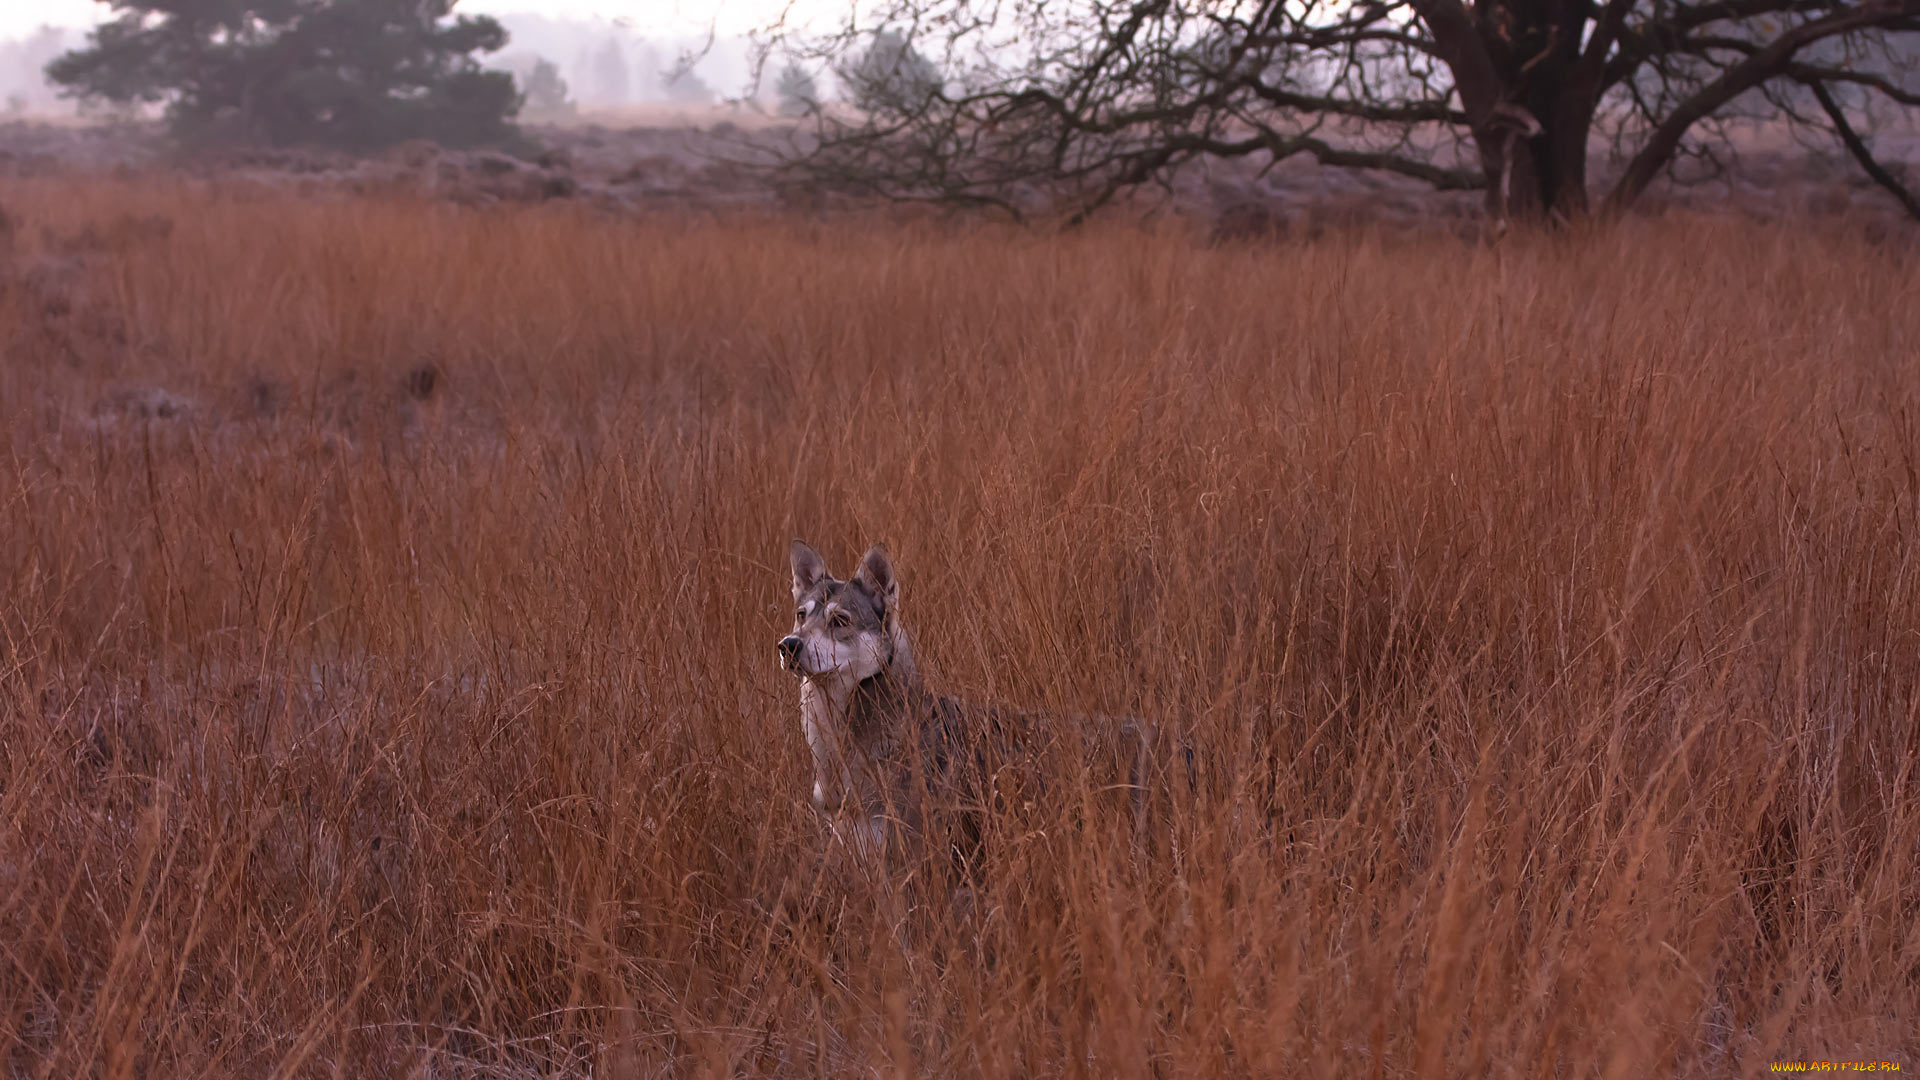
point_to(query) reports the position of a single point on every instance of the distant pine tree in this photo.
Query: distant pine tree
(796, 91)
(347, 73)
(891, 76)
(546, 91)
(683, 87)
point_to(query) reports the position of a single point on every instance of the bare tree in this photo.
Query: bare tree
(1091, 98)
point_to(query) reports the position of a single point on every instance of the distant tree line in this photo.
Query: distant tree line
(887, 74)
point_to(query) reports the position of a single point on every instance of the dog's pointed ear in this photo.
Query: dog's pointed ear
(876, 574)
(808, 568)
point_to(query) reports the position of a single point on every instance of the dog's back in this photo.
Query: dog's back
(970, 760)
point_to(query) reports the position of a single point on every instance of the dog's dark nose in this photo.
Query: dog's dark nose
(790, 647)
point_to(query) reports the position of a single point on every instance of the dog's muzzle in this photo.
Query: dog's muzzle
(790, 648)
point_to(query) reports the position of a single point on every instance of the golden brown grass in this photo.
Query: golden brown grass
(1547, 618)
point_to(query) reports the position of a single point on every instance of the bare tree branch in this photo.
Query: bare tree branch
(1738, 79)
(1074, 101)
(1861, 153)
(1810, 75)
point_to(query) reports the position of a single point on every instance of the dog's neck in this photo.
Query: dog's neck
(847, 722)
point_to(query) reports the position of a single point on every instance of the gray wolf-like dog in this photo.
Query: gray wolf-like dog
(889, 755)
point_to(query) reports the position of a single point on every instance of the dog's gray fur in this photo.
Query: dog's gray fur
(886, 751)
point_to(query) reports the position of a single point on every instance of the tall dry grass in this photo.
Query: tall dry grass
(1546, 618)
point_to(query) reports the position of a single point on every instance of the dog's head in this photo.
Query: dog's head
(842, 630)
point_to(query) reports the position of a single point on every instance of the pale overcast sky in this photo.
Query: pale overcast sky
(665, 17)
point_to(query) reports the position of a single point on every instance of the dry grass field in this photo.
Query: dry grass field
(388, 595)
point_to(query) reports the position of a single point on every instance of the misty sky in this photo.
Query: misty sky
(18, 18)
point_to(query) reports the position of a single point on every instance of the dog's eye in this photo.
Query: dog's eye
(840, 620)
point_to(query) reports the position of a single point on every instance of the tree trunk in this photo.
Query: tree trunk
(1529, 77)
(1531, 90)
(1547, 175)
(1550, 86)
(1515, 187)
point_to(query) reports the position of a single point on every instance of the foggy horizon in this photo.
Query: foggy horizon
(665, 17)
(575, 36)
